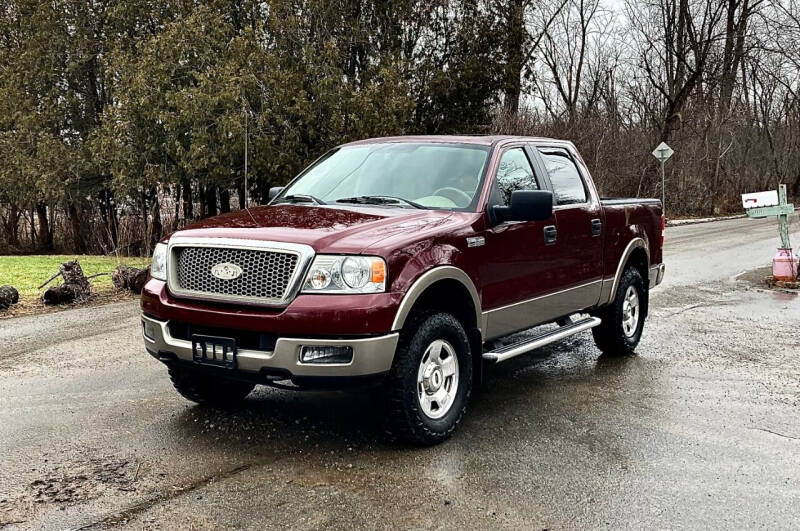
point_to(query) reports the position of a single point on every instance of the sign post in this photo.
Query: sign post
(663, 152)
(774, 203)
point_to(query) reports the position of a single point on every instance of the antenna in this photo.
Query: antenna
(245, 157)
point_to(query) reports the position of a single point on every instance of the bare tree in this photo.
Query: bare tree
(575, 53)
(675, 40)
(523, 23)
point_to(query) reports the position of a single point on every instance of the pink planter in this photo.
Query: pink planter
(784, 266)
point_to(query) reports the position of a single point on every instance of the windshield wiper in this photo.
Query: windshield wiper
(378, 200)
(302, 198)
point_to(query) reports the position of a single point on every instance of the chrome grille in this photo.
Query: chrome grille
(266, 274)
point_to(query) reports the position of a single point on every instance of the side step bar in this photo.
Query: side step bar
(515, 349)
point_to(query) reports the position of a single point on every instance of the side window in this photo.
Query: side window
(567, 184)
(513, 173)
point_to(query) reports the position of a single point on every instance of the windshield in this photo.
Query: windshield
(407, 175)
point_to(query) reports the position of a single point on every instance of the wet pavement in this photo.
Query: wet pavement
(701, 429)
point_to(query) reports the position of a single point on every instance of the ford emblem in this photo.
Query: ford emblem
(226, 271)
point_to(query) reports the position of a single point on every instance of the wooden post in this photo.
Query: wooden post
(783, 217)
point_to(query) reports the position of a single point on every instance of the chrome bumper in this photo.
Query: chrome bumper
(371, 355)
(656, 275)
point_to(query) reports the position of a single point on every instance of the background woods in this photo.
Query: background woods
(121, 121)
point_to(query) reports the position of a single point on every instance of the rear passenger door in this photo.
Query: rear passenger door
(579, 224)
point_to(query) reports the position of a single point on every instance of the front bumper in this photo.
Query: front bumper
(371, 355)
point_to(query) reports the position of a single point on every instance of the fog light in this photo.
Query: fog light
(149, 330)
(325, 354)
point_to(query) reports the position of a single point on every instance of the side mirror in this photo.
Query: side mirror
(526, 205)
(274, 191)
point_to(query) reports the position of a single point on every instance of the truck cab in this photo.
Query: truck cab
(405, 262)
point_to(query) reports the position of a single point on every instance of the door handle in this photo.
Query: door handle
(597, 227)
(550, 234)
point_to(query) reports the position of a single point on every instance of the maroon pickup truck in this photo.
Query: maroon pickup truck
(406, 262)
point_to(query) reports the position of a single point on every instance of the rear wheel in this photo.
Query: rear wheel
(208, 389)
(430, 380)
(623, 319)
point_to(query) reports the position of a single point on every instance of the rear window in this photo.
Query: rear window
(568, 187)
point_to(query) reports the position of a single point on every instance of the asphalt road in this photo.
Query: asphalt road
(701, 429)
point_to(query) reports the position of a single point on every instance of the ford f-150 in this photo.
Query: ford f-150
(406, 262)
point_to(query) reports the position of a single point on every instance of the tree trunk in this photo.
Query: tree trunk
(45, 231)
(240, 193)
(106, 236)
(32, 221)
(8, 296)
(11, 226)
(155, 212)
(78, 233)
(175, 224)
(224, 200)
(515, 55)
(188, 205)
(76, 287)
(129, 278)
(113, 219)
(735, 35)
(108, 212)
(211, 201)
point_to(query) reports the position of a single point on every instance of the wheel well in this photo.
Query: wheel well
(638, 259)
(451, 296)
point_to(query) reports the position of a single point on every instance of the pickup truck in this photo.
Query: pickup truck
(409, 263)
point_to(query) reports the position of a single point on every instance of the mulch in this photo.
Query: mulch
(772, 283)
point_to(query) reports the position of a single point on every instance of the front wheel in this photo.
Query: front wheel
(430, 380)
(623, 319)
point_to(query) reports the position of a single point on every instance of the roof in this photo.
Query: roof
(483, 140)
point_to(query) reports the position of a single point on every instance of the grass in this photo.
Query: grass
(27, 273)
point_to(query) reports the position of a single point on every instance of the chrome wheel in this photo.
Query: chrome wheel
(630, 312)
(437, 379)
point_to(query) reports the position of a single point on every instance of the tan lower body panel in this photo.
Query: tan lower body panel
(525, 314)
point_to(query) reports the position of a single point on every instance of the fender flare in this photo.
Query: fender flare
(634, 244)
(426, 280)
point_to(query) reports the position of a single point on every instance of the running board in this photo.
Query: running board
(515, 349)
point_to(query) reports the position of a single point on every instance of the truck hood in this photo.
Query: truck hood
(328, 229)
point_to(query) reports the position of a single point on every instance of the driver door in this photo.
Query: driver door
(520, 265)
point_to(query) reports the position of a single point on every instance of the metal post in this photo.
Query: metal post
(663, 152)
(663, 194)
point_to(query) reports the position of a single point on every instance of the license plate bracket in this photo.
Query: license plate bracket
(215, 351)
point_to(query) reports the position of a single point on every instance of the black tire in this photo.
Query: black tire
(405, 416)
(206, 389)
(610, 336)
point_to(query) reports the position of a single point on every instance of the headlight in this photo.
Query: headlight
(158, 267)
(346, 274)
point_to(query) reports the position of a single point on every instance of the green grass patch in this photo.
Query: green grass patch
(27, 273)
